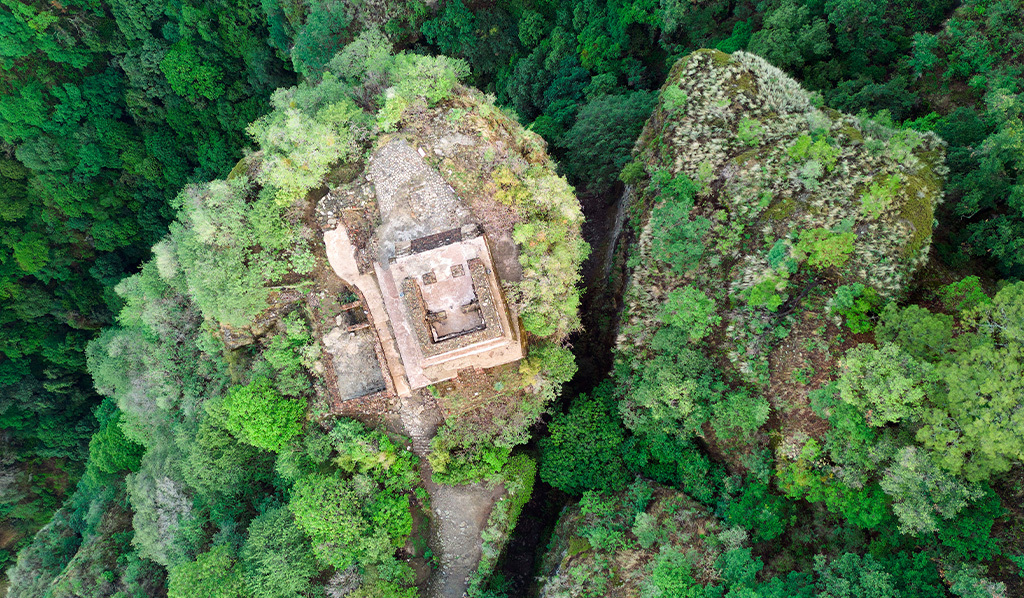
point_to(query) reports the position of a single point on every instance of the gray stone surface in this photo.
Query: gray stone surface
(355, 362)
(414, 200)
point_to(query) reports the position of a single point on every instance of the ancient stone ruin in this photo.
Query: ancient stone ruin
(425, 280)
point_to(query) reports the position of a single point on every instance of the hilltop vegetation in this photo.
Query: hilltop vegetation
(215, 469)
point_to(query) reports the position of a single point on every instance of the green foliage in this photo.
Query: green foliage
(458, 460)
(350, 523)
(426, 78)
(969, 534)
(758, 510)
(676, 238)
(750, 132)
(739, 569)
(879, 197)
(739, 413)
(258, 415)
(277, 559)
(886, 384)
(767, 293)
(791, 37)
(963, 295)
(803, 477)
(301, 143)
(968, 582)
(228, 247)
(551, 253)
(690, 310)
(670, 460)
(371, 452)
(290, 354)
(518, 478)
(855, 302)
(671, 575)
(920, 333)
(922, 492)
(674, 99)
(975, 423)
(320, 37)
(852, 576)
(598, 144)
(583, 448)
(214, 573)
(824, 248)
(672, 394)
(819, 151)
(607, 518)
(31, 252)
(189, 75)
(109, 449)
(218, 465)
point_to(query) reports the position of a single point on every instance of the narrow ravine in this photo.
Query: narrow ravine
(604, 280)
(459, 512)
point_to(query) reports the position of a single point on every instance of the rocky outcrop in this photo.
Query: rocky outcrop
(790, 196)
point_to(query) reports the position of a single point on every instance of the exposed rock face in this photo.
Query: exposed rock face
(754, 203)
(772, 166)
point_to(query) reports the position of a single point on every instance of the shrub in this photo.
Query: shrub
(855, 302)
(690, 310)
(825, 248)
(518, 478)
(767, 293)
(260, 416)
(676, 462)
(879, 196)
(750, 132)
(674, 99)
(458, 458)
(969, 534)
(864, 507)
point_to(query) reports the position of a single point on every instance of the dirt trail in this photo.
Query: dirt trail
(460, 512)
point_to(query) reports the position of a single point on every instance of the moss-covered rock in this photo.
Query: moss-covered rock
(771, 165)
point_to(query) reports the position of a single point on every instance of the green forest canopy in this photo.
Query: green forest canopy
(110, 109)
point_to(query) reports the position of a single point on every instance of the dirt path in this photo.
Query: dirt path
(460, 512)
